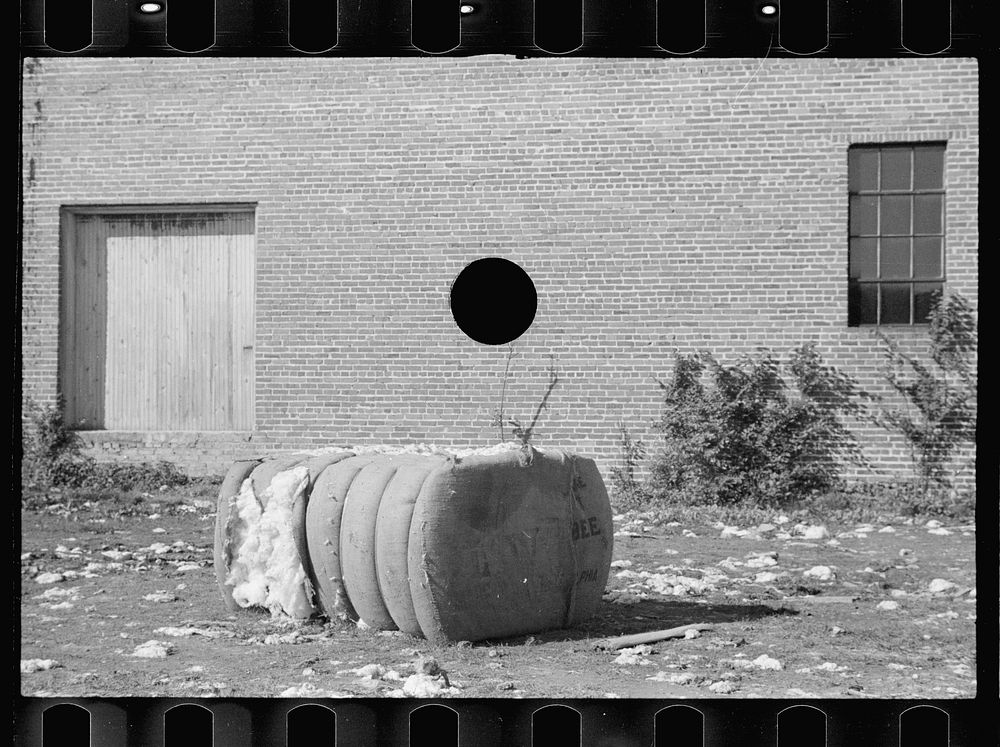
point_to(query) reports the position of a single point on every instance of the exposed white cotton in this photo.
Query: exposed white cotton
(266, 570)
(422, 448)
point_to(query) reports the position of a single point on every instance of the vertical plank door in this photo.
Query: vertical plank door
(178, 329)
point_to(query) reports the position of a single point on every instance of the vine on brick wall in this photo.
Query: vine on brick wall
(938, 415)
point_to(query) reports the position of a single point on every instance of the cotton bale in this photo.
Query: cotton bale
(451, 547)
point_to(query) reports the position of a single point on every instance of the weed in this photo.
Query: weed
(53, 458)
(628, 491)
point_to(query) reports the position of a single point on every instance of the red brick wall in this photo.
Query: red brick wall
(658, 204)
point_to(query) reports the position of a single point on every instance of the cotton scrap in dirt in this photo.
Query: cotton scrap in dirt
(181, 632)
(939, 531)
(55, 592)
(829, 666)
(820, 573)
(766, 662)
(30, 666)
(58, 605)
(887, 605)
(309, 690)
(674, 585)
(424, 686)
(634, 656)
(674, 678)
(160, 596)
(370, 671)
(117, 555)
(940, 585)
(762, 560)
(621, 564)
(816, 532)
(49, 578)
(153, 650)
(768, 577)
(761, 662)
(724, 687)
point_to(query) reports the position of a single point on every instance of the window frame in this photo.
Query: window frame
(911, 280)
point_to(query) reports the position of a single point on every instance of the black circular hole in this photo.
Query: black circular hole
(493, 301)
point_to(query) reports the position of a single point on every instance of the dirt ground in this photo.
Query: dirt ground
(99, 583)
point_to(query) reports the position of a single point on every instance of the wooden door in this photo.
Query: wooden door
(158, 323)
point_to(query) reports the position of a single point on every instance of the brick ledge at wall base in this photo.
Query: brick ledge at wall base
(499, 543)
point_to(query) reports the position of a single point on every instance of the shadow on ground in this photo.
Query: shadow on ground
(650, 615)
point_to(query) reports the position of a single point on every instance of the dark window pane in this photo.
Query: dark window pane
(862, 169)
(896, 168)
(895, 303)
(924, 296)
(862, 303)
(862, 259)
(928, 168)
(895, 215)
(864, 216)
(927, 213)
(926, 257)
(895, 259)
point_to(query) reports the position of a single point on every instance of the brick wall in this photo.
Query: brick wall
(658, 205)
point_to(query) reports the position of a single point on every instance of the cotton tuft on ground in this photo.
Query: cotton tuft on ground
(119, 598)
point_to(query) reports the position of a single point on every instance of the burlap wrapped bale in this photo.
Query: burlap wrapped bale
(509, 544)
(450, 548)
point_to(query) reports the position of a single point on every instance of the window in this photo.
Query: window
(896, 232)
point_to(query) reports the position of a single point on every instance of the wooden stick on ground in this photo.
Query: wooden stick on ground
(626, 641)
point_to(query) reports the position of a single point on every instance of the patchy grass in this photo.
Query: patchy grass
(133, 564)
(876, 503)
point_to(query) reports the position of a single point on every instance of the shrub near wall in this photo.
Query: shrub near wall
(741, 434)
